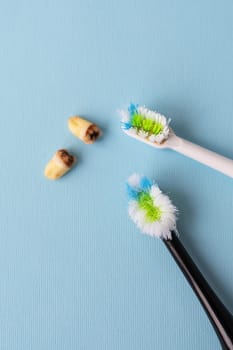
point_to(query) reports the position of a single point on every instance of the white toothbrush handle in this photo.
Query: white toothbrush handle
(204, 156)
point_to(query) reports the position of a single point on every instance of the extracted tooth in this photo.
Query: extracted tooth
(61, 162)
(84, 129)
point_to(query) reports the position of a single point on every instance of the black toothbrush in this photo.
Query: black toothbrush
(155, 215)
(220, 317)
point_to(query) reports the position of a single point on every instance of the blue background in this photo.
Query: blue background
(75, 271)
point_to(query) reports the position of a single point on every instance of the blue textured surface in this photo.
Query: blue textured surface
(75, 272)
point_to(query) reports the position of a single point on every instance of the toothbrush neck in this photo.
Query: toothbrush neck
(219, 316)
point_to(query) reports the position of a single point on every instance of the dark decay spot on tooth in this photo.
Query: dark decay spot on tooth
(94, 135)
(67, 158)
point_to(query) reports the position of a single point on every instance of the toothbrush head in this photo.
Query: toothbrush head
(149, 126)
(150, 209)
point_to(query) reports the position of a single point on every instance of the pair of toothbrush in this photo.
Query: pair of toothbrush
(153, 129)
(155, 215)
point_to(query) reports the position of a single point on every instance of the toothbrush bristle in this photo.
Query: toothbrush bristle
(146, 123)
(150, 209)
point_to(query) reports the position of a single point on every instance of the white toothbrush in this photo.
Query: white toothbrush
(153, 128)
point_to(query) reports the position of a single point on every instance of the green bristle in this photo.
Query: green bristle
(157, 128)
(145, 202)
(147, 125)
(136, 121)
(140, 122)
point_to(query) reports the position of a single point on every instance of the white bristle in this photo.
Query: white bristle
(134, 180)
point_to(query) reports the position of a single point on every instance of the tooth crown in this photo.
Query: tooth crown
(83, 129)
(59, 165)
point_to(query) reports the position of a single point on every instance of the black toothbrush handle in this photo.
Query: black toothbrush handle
(220, 317)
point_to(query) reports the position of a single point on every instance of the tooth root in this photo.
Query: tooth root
(84, 129)
(59, 165)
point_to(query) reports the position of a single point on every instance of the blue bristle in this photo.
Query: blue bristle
(125, 125)
(132, 109)
(145, 183)
(132, 192)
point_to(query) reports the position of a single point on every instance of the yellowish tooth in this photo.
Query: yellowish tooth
(84, 129)
(58, 166)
